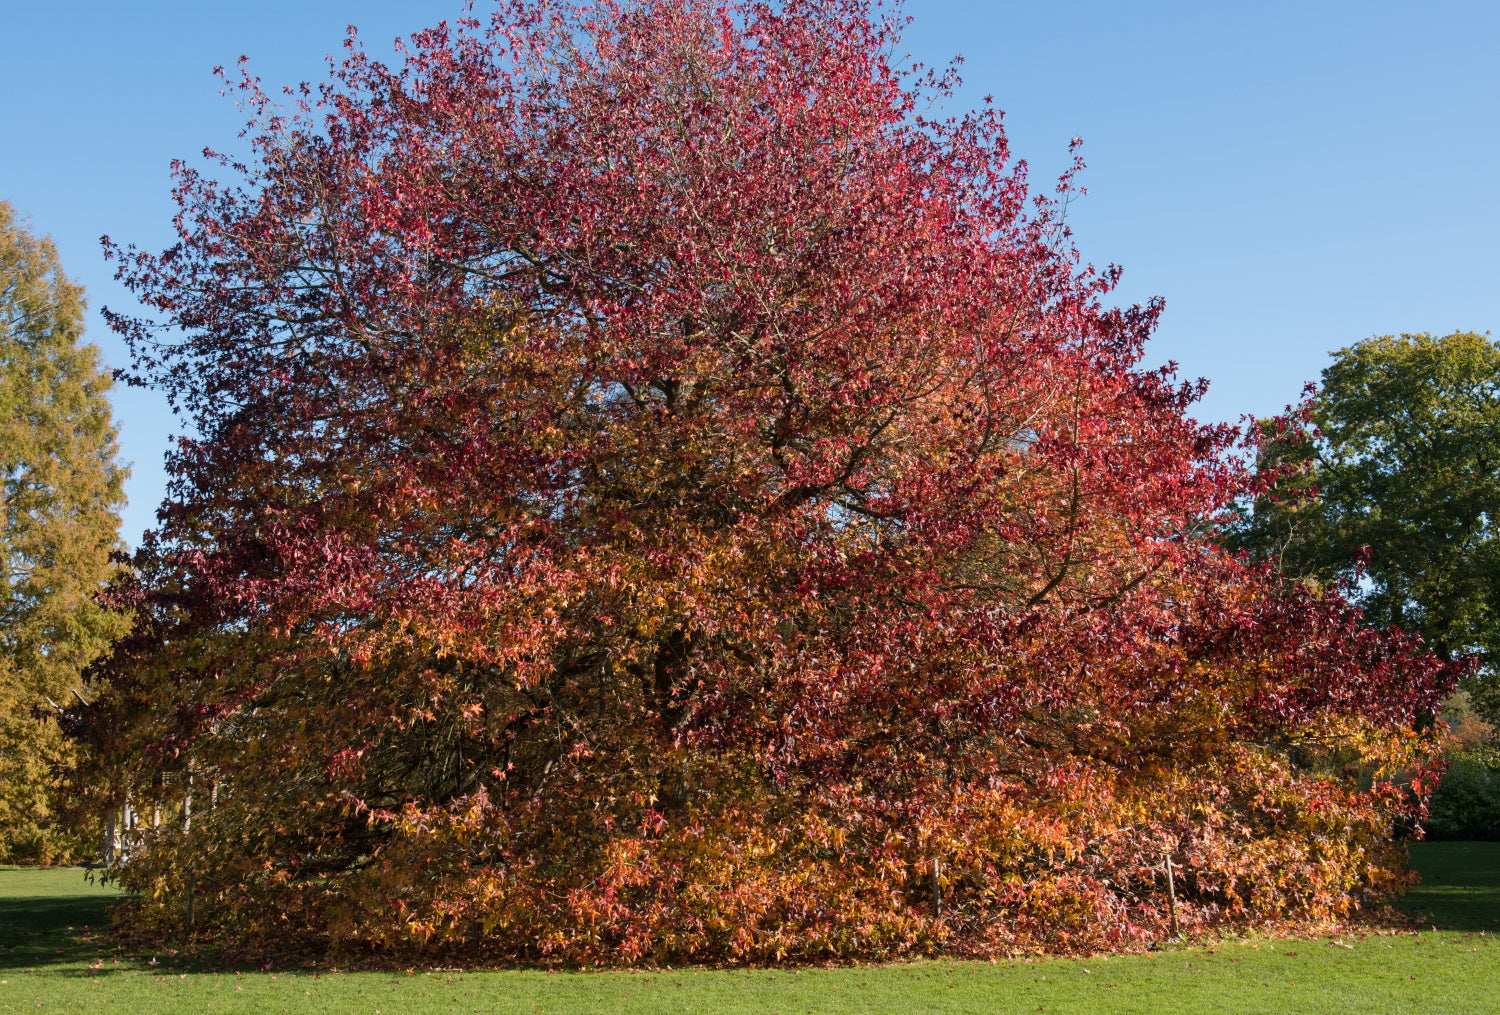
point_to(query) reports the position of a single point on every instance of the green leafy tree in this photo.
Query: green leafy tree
(1390, 479)
(59, 524)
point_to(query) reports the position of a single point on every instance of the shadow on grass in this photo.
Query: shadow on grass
(1460, 888)
(41, 930)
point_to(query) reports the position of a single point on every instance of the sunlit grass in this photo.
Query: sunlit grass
(53, 959)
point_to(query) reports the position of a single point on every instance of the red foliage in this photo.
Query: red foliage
(658, 494)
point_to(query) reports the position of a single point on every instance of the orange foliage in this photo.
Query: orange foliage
(659, 499)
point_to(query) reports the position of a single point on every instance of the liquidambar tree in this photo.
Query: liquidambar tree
(59, 525)
(661, 497)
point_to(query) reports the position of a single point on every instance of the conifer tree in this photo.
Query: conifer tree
(59, 523)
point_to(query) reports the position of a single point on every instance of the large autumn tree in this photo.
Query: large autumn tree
(659, 496)
(59, 525)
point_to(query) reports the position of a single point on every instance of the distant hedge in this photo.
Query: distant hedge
(1467, 804)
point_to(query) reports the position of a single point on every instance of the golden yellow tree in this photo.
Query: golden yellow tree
(59, 523)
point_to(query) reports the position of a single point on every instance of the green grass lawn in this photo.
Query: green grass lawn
(53, 960)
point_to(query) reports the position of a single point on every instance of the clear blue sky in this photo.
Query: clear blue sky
(1291, 176)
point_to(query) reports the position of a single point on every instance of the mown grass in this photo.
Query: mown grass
(53, 959)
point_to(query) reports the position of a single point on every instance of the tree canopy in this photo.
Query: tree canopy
(1393, 483)
(660, 496)
(58, 527)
